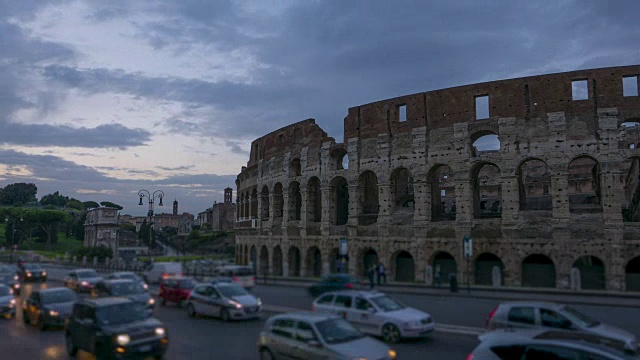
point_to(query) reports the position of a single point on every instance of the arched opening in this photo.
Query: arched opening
(314, 262)
(314, 200)
(339, 159)
(295, 201)
(487, 191)
(295, 168)
(534, 184)
(264, 261)
(591, 272)
(444, 265)
(294, 261)
(632, 274)
(485, 141)
(630, 181)
(584, 186)
(253, 258)
(264, 203)
(254, 204)
(484, 268)
(404, 267)
(277, 261)
(402, 189)
(369, 259)
(443, 194)
(538, 271)
(368, 198)
(278, 201)
(246, 205)
(630, 134)
(339, 201)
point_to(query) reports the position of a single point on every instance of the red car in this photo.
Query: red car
(175, 289)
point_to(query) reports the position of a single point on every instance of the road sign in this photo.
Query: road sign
(467, 243)
(343, 246)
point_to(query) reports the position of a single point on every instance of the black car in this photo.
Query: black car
(124, 288)
(48, 307)
(114, 328)
(11, 280)
(332, 282)
(32, 272)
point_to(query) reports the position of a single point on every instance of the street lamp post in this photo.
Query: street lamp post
(158, 194)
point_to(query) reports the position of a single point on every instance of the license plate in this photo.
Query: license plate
(146, 348)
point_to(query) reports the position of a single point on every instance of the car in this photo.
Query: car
(128, 275)
(242, 275)
(11, 280)
(175, 289)
(7, 302)
(124, 288)
(544, 344)
(548, 315)
(32, 272)
(159, 270)
(48, 307)
(225, 300)
(376, 313)
(332, 282)
(305, 335)
(82, 280)
(114, 328)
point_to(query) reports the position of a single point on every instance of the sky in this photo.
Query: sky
(100, 99)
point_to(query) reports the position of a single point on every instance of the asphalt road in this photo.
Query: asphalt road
(202, 338)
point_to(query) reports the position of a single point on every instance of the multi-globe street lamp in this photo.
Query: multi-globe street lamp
(158, 194)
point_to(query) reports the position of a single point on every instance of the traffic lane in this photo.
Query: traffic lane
(452, 310)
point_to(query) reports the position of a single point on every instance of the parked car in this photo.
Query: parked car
(48, 307)
(7, 302)
(31, 272)
(159, 270)
(547, 315)
(377, 314)
(332, 282)
(544, 344)
(317, 336)
(130, 275)
(11, 280)
(114, 328)
(175, 289)
(227, 301)
(82, 280)
(239, 274)
(124, 288)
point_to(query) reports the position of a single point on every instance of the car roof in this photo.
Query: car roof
(82, 269)
(367, 294)
(107, 301)
(124, 273)
(52, 290)
(547, 304)
(309, 316)
(118, 281)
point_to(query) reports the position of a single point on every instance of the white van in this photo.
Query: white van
(161, 270)
(239, 274)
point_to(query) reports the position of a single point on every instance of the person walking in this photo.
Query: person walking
(371, 274)
(382, 274)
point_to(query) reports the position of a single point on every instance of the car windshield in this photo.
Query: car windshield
(126, 288)
(121, 313)
(187, 284)
(4, 291)
(580, 318)
(387, 304)
(231, 291)
(130, 276)
(87, 274)
(33, 267)
(337, 331)
(58, 296)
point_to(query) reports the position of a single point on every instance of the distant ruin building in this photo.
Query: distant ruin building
(221, 216)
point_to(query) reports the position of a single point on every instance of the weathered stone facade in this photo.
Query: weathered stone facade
(101, 227)
(559, 191)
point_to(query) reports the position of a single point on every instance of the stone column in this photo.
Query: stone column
(560, 195)
(303, 212)
(422, 201)
(325, 221)
(387, 205)
(271, 207)
(510, 198)
(285, 209)
(464, 200)
(355, 207)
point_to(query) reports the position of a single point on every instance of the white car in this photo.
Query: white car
(377, 314)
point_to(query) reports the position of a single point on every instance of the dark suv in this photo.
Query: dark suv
(115, 328)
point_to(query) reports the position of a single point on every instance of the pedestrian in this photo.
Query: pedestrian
(382, 274)
(438, 278)
(371, 274)
(378, 273)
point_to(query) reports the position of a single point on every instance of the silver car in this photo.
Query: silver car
(546, 315)
(128, 275)
(312, 336)
(543, 344)
(82, 280)
(225, 300)
(375, 313)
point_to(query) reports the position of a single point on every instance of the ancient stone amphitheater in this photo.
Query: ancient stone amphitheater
(541, 172)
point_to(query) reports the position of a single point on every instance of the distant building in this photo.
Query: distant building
(220, 216)
(101, 226)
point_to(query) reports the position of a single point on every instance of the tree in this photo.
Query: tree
(54, 199)
(127, 227)
(77, 227)
(112, 205)
(90, 205)
(47, 220)
(75, 204)
(18, 194)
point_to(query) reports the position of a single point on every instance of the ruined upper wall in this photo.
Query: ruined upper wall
(527, 97)
(290, 138)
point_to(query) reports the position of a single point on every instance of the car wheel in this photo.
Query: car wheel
(41, 325)
(191, 310)
(265, 354)
(224, 315)
(72, 350)
(390, 333)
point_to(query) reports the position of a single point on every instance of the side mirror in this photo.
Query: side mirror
(314, 343)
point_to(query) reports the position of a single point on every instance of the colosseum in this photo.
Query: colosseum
(542, 172)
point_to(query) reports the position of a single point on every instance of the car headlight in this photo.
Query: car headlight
(259, 302)
(123, 339)
(145, 286)
(16, 285)
(151, 301)
(53, 313)
(392, 354)
(10, 291)
(16, 277)
(236, 304)
(28, 274)
(160, 332)
(84, 283)
(44, 273)
(12, 302)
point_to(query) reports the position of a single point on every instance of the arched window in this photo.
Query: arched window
(487, 191)
(534, 182)
(584, 185)
(443, 194)
(368, 197)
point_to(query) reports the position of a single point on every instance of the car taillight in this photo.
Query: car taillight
(470, 356)
(493, 312)
(349, 286)
(181, 274)
(313, 307)
(164, 275)
(254, 279)
(235, 279)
